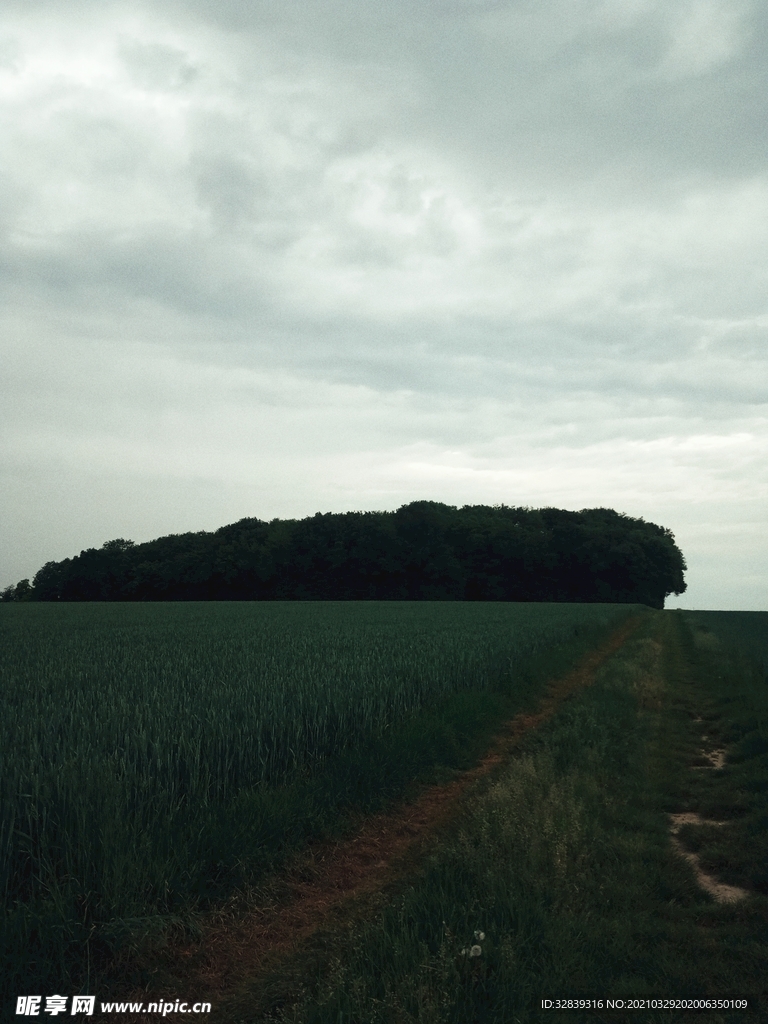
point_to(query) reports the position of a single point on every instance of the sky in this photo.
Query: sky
(269, 259)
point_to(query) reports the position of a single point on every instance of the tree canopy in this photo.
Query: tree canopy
(423, 551)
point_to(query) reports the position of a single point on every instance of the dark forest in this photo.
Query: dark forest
(423, 551)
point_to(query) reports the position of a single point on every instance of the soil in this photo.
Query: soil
(716, 758)
(719, 891)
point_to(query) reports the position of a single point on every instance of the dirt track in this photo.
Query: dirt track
(317, 886)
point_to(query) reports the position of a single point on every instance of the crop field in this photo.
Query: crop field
(746, 633)
(152, 755)
(613, 862)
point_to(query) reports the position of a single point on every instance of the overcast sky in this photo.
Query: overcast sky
(273, 258)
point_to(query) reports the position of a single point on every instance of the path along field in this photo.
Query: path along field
(157, 759)
(556, 867)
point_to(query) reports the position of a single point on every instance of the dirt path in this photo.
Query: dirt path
(317, 885)
(712, 759)
(720, 891)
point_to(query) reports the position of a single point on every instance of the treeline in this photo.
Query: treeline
(423, 551)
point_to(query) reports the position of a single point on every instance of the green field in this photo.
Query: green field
(153, 757)
(561, 869)
(745, 633)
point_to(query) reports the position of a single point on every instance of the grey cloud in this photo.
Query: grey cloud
(155, 66)
(567, 90)
(261, 259)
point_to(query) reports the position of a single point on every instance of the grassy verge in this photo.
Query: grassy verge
(561, 872)
(732, 692)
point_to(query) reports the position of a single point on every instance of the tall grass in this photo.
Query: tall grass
(134, 738)
(560, 873)
(745, 632)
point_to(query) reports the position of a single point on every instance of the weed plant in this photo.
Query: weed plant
(154, 756)
(564, 863)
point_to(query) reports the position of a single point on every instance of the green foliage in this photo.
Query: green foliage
(23, 591)
(153, 756)
(423, 551)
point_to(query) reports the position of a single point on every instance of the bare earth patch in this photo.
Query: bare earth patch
(720, 891)
(690, 818)
(716, 758)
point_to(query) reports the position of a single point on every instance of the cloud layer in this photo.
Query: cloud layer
(266, 260)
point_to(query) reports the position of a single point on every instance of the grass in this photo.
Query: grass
(154, 758)
(729, 652)
(745, 634)
(564, 863)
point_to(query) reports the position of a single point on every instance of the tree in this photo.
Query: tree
(424, 551)
(23, 591)
(117, 545)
